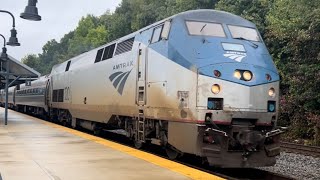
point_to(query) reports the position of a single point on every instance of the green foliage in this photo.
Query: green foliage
(89, 34)
(294, 36)
(252, 10)
(32, 61)
(291, 29)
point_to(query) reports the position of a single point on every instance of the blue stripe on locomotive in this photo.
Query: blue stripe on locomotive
(207, 54)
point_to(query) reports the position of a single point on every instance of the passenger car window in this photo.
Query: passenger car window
(156, 34)
(205, 29)
(244, 33)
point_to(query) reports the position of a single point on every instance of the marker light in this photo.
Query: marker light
(272, 92)
(217, 73)
(247, 75)
(268, 77)
(271, 106)
(237, 74)
(215, 89)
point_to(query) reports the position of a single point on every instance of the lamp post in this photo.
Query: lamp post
(31, 11)
(4, 58)
(13, 40)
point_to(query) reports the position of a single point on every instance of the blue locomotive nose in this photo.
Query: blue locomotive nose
(235, 58)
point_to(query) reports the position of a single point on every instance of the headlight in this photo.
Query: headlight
(272, 92)
(237, 74)
(215, 89)
(247, 75)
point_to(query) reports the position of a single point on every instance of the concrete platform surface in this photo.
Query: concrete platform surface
(35, 149)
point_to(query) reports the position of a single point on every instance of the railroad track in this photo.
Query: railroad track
(300, 149)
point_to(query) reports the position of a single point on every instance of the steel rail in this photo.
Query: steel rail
(300, 149)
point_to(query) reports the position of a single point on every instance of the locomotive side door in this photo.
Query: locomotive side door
(141, 76)
(67, 94)
(47, 95)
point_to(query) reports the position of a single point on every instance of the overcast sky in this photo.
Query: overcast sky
(58, 18)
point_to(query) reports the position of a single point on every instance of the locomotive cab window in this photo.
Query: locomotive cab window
(156, 36)
(205, 29)
(245, 33)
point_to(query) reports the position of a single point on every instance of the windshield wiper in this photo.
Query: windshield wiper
(203, 27)
(254, 45)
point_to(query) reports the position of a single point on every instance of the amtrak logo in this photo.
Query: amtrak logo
(119, 80)
(237, 56)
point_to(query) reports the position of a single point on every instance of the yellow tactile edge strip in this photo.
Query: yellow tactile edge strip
(162, 162)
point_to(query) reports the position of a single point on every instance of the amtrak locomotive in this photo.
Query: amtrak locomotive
(200, 82)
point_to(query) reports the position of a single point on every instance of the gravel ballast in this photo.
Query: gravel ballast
(296, 166)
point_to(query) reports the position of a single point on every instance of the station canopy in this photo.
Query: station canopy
(18, 72)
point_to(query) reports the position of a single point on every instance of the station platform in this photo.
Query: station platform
(31, 148)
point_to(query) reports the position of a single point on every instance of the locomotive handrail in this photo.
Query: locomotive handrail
(218, 131)
(274, 132)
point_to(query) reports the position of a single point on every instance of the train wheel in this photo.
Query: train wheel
(97, 131)
(138, 144)
(172, 153)
(64, 123)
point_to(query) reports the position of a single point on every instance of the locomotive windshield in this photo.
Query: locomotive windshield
(205, 29)
(246, 33)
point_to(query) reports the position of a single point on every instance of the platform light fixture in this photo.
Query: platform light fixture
(13, 40)
(31, 11)
(4, 54)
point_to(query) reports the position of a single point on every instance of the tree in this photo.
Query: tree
(33, 61)
(88, 35)
(252, 10)
(294, 40)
